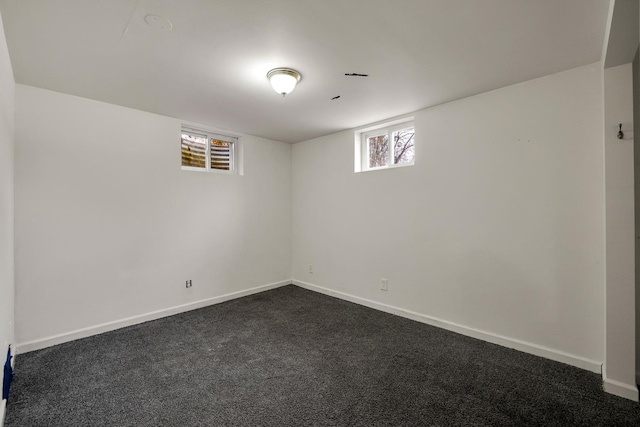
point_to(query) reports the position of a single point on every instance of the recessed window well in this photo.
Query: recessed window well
(207, 151)
(385, 146)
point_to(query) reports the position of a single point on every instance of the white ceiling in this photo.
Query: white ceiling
(211, 68)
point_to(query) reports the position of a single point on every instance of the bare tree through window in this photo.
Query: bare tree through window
(378, 151)
(403, 149)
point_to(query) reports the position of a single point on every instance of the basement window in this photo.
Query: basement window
(207, 151)
(386, 147)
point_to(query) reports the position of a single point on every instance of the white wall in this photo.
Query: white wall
(109, 227)
(636, 176)
(499, 226)
(7, 102)
(636, 153)
(619, 368)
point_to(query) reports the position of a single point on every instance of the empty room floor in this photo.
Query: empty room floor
(292, 357)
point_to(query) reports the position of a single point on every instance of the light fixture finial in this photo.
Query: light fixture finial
(283, 80)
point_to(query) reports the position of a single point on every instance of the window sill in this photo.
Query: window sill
(398, 166)
(192, 169)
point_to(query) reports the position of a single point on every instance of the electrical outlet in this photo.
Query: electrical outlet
(310, 268)
(189, 284)
(384, 284)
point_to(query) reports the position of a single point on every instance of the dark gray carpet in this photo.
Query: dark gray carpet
(291, 357)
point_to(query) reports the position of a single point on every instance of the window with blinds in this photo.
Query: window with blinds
(207, 151)
(220, 154)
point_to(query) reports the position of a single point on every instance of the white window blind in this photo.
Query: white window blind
(202, 150)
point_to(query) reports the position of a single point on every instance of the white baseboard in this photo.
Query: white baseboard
(535, 349)
(134, 320)
(621, 389)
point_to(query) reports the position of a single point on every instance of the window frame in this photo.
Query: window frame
(211, 135)
(386, 129)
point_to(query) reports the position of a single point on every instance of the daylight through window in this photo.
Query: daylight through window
(388, 147)
(203, 150)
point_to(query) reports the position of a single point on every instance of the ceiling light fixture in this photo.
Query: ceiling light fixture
(283, 80)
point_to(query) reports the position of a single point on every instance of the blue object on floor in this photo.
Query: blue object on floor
(8, 374)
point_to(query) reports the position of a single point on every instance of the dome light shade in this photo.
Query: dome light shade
(283, 80)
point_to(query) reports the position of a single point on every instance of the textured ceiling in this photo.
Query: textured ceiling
(211, 67)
